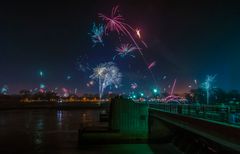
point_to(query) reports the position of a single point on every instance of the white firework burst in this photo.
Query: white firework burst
(107, 74)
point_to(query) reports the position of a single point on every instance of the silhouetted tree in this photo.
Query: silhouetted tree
(189, 97)
(198, 95)
(24, 92)
(233, 95)
(219, 96)
(165, 94)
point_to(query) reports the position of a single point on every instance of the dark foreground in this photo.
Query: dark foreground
(56, 131)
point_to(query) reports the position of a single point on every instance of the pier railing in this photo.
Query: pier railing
(218, 113)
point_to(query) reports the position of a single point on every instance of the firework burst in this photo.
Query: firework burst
(41, 74)
(65, 92)
(107, 74)
(115, 22)
(82, 64)
(97, 34)
(4, 90)
(134, 86)
(124, 50)
(207, 85)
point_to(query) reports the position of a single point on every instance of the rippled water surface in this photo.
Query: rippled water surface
(56, 131)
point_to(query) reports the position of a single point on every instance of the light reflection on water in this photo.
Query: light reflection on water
(59, 118)
(36, 129)
(55, 131)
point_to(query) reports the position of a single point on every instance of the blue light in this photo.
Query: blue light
(69, 77)
(41, 73)
(42, 86)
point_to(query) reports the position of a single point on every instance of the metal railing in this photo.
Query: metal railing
(226, 114)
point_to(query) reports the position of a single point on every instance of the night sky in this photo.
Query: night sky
(188, 40)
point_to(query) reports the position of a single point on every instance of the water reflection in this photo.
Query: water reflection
(35, 129)
(38, 136)
(38, 131)
(51, 131)
(59, 118)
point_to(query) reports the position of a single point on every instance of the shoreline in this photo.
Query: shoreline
(53, 105)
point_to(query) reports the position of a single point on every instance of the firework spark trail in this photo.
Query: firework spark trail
(41, 74)
(138, 32)
(115, 23)
(82, 65)
(90, 83)
(124, 50)
(75, 91)
(144, 44)
(107, 74)
(173, 87)
(195, 81)
(97, 34)
(151, 65)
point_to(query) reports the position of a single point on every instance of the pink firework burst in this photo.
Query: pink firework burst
(124, 50)
(152, 64)
(41, 90)
(65, 90)
(134, 86)
(114, 22)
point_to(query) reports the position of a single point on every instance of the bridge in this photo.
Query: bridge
(209, 127)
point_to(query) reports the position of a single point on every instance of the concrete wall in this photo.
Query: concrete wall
(129, 118)
(218, 134)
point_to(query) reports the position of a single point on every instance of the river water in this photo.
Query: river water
(56, 131)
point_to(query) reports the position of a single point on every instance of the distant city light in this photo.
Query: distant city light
(69, 77)
(155, 90)
(42, 86)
